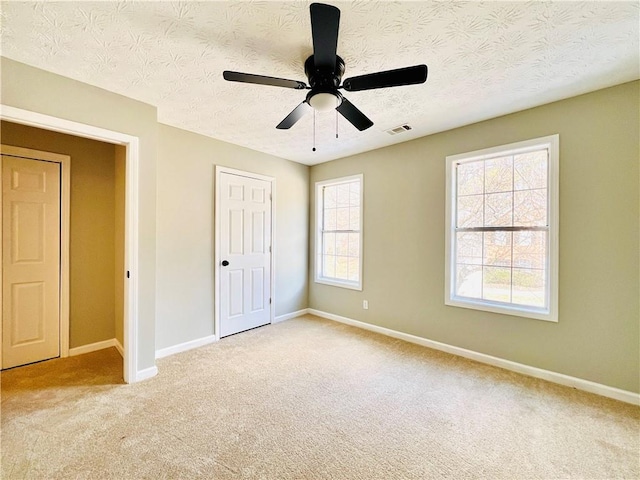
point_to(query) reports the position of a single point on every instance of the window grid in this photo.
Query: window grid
(485, 265)
(339, 232)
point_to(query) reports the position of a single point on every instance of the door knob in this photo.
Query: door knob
(225, 263)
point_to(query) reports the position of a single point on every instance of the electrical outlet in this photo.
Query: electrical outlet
(365, 304)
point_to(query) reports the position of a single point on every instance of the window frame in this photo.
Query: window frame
(319, 207)
(552, 143)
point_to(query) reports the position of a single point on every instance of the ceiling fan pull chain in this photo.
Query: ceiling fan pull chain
(337, 105)
(314, 131)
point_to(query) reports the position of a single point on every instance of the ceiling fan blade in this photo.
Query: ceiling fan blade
(325, 21)
(389, 78)
(262, 80)
(294, 116)
(349, 111)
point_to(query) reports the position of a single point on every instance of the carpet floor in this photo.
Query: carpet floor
(308, 399)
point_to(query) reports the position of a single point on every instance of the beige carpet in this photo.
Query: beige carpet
(308, 399)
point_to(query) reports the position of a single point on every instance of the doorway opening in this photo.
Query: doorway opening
(129, 151)
(90, 242)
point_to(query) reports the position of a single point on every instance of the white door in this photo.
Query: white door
(30, 261)
(245, 257)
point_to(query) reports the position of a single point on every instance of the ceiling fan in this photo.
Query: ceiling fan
(324, 70)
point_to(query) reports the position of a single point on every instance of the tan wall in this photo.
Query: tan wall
(184, 303)
(38, 91)
(186, 176)
(597, 336)
(92, 236)
(119, 273)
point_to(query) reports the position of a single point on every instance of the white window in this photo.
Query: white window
(502, 229)
(339, 232)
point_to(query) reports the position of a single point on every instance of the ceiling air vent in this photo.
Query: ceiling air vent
(399, 129)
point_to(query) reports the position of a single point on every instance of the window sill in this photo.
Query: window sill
(338, 283)
(495, 307)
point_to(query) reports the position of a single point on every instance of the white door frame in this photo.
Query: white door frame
(65, 217)
(216, 256)
(131, 143)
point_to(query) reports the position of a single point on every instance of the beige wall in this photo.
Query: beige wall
(184, 199)
(92, 236)
(38, 91)
(597, 336)
(186, 176)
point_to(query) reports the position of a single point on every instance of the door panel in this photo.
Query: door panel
(236, 302)
(29, 318)
(31, 261)
(27, 229)
(257, 289)
(245, 240)
(236, 232)
(257, 232)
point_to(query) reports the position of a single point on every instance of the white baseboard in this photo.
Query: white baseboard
(288, 316)
(580, 384)
(146, 373)
(92, 347)
(119, 347)
(183, 347)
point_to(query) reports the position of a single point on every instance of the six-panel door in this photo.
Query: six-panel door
(245, 244)
(31, 261)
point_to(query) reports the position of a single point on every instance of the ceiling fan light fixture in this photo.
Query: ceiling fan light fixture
(323, 101)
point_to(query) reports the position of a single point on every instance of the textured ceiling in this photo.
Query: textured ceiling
(485, 59)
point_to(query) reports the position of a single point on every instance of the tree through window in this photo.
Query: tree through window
(502, 234)
(339, 232)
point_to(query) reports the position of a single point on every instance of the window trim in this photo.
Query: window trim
(552, 142)
(318, 278)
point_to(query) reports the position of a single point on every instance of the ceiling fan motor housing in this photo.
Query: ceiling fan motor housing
(323, 80)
